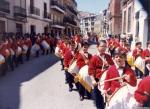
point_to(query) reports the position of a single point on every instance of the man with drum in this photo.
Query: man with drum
(117, 75)
(137, 52)
(97, 65)
(82, 60)
(68, 57)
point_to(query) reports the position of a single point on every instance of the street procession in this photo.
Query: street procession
(68, 54)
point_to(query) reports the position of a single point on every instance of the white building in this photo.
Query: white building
(38, 16)
(87, 21)
(134, 21)
(24, 16)
(12, 16)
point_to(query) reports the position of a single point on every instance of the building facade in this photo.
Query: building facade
(114, 10)
(57, 14)
(87, 22)
(134, 21)
(71, 18)
(13, 16)
(39, 16)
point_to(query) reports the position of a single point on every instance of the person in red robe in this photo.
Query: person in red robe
(142, 93)
(97, 65)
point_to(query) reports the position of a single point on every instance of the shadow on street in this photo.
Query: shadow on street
(11, 83)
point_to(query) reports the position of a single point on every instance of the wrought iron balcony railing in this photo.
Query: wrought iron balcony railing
(46, 15)
(4, 6)
(72, 10)
(34, 10)
(57, 23)
(55, 3)
(69, 20)
(19, 11)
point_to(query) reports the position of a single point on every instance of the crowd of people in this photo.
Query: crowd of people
(114, 68)
(15, 49)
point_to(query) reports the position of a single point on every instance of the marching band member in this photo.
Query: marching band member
(142, 94)
(83, 59)
(68, 56)
(120, 69)
(29, 44)
(137, 52)
(97, 65)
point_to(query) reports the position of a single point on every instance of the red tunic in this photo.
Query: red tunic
(81, 61)
(145, 53)
(142, 87)
(28, 42)
(113, 73)
(67, 58)
(96, 63)
(137, 53)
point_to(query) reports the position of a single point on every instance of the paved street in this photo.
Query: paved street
(39, 84)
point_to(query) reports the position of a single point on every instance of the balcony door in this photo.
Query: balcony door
(31, 6)
(33, 29)
(2, 28)
(45, 10)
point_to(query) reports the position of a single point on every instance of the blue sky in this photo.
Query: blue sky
(94, 6)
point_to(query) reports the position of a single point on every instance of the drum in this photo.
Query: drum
(122, 97)
(35, 48)
(84, 78)
(12, 52)
(25, 49)
(140, 64)
(45, 44)
(19, 51)
(57, 53)
(73, 68)
(2, 59)
(101, 81)
(130, 59)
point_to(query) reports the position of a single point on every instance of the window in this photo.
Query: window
(129, 19)
(86, 24)
(32, 27)
(92, 23)
(124, 22)
(18, 28)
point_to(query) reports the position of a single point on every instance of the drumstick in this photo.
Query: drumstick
(112, 79)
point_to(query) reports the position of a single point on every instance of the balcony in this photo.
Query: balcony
(34, 11)
(47, 16)
(72, 10)
(70, 20)
(19, 12)
(4, 6)
(56, 24)
(57, 6)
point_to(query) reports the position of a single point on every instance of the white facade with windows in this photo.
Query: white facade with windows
(135, 22)
(38, 16)
(87, 23)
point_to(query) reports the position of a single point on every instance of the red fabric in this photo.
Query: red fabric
(113, 73)
(81, 61)
(5, 50)
(136, 53)
(145, 53)
(143, 86)
(95, 65)
(28, 42)
(67, 58)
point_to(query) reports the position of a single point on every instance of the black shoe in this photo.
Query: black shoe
(70, 89)
(81, 98)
